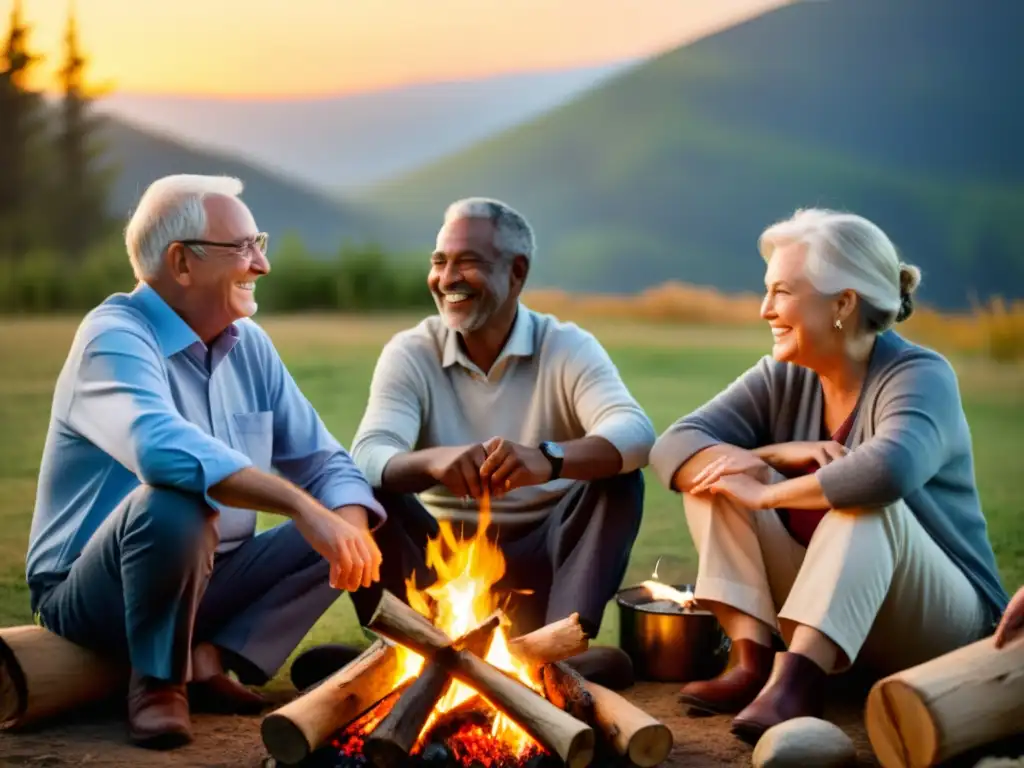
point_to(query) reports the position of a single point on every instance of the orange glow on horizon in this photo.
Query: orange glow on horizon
(236, 47)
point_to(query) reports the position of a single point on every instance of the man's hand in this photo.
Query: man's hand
(1011, 626)
(511, 465)
(350, 550)
(458, 469)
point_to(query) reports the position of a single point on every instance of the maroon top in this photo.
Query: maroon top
(801, 523)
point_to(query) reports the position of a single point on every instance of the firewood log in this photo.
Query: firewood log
(292, 732)
(632, 732)
(553, 642)
(567, 690)
(557, 731)
(946, 706)
(43, 675)
(390, 743)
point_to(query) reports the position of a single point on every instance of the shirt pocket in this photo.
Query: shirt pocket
(256, 434)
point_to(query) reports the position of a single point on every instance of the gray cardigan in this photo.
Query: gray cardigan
(910, 440)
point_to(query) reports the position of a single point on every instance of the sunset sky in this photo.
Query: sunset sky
(307, 47)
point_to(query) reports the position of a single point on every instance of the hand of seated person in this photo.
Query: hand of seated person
(351, 551)
(802, 455)
(1011, 626)
(738, 462)
(457, 468)
(510, 465)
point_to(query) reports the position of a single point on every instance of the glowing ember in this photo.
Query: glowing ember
(461, 599)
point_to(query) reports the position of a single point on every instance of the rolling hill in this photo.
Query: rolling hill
(280, 206)
(908, 112)
(343, 142)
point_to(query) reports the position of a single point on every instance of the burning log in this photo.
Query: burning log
(557, 731)
(567, 690)
(631, 731)
(557, 641)
(43, 675)
(292, 732)
(937, 710)
(394, 737)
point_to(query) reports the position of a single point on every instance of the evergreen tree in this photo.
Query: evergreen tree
(82, 185)
(18, 131)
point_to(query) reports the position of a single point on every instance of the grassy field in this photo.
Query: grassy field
(670, 369)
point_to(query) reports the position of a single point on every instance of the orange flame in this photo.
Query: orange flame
(662, 591)
(461, 599)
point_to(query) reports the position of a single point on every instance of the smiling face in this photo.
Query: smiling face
(801, 319)
(220, 280)
(469, 278)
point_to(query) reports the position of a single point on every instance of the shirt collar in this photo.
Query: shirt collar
(519, 343)
(173, 334)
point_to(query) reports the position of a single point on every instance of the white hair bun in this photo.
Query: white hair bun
(910, 278)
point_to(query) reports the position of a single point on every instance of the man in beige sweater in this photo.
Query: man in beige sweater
(491, 396)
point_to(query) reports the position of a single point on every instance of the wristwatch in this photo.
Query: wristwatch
(553, 453)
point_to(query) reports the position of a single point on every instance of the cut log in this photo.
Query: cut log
(553, 642)
(632, 732)
(292, 732)
(43, 675)
(958, 701)
(390, 743)
(567, 690)
(557, 731)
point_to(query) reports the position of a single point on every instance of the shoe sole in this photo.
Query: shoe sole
(751, 733)
(160, 741)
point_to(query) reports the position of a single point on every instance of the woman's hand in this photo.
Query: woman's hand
(1011, 625)
(801, 453)
(736, 463)
(744, 489)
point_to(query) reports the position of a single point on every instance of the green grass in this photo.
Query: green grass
(670, 370)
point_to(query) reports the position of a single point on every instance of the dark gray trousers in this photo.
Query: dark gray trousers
(572, 561)
(148, 586)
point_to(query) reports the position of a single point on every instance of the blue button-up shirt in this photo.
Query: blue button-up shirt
(141, 399)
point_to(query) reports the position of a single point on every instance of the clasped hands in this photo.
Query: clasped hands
(495, 467)
(737, 474)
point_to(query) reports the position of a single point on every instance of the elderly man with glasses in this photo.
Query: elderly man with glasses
(173, 420)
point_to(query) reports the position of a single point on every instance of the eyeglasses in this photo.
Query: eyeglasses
(259, 242)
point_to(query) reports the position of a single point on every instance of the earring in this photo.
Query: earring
(838, 324)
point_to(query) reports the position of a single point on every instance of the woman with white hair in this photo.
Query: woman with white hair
(830, 489)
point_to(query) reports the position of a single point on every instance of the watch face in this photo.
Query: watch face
(554, 450)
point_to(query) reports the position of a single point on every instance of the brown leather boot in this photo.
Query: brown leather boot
(796, 689)
(158, 716)
(222, 694)
(750, 664)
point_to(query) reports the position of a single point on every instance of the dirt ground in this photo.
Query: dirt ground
(98, 738)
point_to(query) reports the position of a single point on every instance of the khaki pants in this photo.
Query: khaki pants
(873, 581)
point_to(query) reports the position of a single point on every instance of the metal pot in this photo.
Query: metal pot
(670, 647)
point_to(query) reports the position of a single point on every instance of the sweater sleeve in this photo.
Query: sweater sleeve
(739, 415)
(916, 417)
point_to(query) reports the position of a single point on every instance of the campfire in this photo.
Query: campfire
(445, 685)
(665, 597)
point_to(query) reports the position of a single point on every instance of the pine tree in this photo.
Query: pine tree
(18, 126)
(82, 184)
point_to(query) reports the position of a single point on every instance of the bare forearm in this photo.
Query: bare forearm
(799, 493)
(251, 488)
(771, 455)
(590, 458)
(410, 472)
(683, 479)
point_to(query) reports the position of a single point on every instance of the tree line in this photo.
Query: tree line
(60, 248)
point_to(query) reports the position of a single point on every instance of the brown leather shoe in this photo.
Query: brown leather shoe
(224, 695)
(158, 716)
(748, 671)
(796, 689)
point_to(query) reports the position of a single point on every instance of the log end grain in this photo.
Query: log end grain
(284, 739)
(581, 749)
(650, 745)
(804, 741)
(900, 728)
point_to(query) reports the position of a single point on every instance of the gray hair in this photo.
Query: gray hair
(171, 209)
(512, 233)
(847, 252)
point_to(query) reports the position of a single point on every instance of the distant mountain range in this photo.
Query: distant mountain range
(342, 143)
(909, 112)
(280, 205)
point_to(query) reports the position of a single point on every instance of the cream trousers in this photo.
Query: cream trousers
(873, 581)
